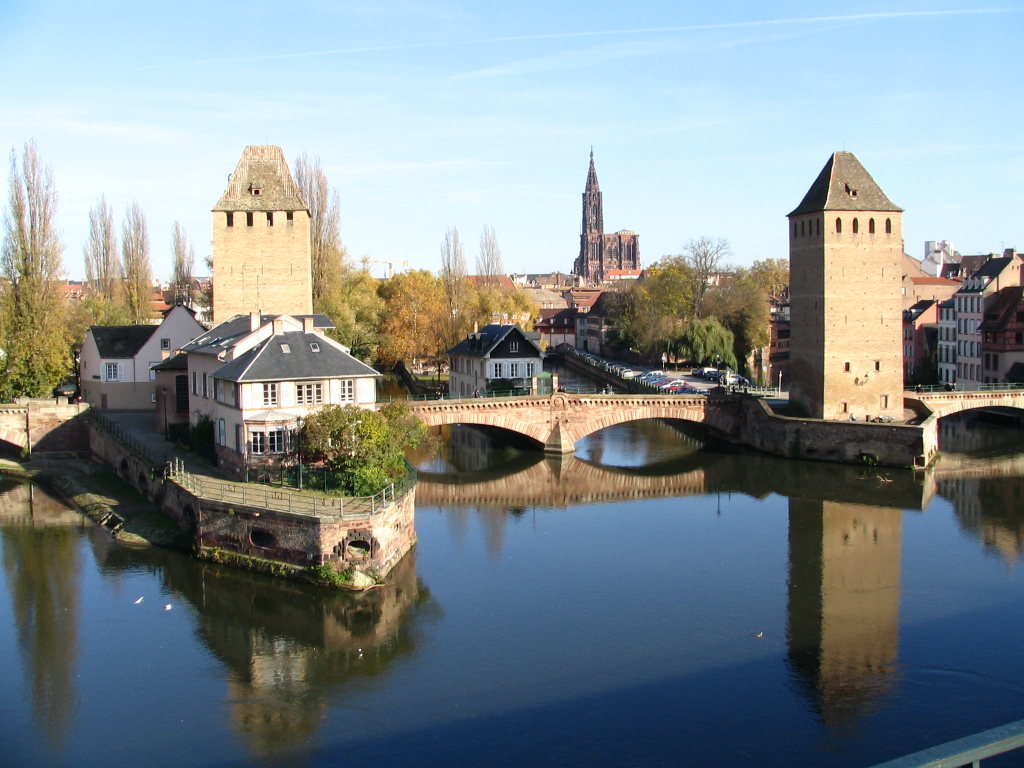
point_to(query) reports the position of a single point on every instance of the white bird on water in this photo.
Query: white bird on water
(167, 607)
(139, 600)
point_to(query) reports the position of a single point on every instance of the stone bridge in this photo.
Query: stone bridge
(45, 425)
(557, 421)
(947, 403)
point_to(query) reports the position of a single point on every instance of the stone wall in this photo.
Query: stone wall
(892, 445)
(46, 425)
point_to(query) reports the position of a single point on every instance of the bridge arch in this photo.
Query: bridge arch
(558, 421)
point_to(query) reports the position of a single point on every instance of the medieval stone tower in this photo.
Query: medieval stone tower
(600, 252)
(261, 251)
(845, 250)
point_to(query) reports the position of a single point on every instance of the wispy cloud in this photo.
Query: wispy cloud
(859, 17)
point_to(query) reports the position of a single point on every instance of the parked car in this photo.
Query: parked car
(735, 380)
(705, 372)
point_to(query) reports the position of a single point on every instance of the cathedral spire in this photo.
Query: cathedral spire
(592, 175)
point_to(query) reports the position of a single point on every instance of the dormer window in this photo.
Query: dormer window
(851, 192)
(256, 190)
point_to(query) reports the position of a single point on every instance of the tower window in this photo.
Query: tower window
(888, 226)
(817, 226)
(878, 365)
(256, 191)
(291, 217)
(231, 219)
(801, 229)
(839, 225)
(846, 367)
(856, 226)
(871, 226)
(248, 218)
(270, 218)
(794, 229)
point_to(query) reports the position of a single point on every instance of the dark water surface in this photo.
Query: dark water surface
(643, 603)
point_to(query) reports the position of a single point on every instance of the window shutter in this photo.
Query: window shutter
(120, 371)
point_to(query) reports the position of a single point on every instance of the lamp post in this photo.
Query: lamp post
(298, 446)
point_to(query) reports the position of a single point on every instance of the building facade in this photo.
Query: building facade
(261, 245)
(495, 353)
(846, 248)
(116, 367)
(975, 296)
(599, 252)
(947, 342)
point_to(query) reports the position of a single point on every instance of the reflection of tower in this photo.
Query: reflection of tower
(844, 586)
(42, 569)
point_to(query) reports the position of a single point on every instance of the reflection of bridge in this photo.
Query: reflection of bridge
(558, 421)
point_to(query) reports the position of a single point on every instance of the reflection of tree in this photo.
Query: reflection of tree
(843, 619)
(289, 647)
(42, 571)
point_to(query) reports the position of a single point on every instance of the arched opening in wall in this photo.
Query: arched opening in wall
(142, 483)
(358, 549)
(888, 226)
(856, 226)
(262, 538)
(124, 470)
(871, 226)
(839, 225)
(794, 229)
(817, 226)
(9, 450)
(801, 229)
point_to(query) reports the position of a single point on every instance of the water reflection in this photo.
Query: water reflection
(843, 605)
(42, 569)
(288, 649)
(979, 471)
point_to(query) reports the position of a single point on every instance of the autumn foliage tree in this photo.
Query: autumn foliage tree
(135, 265)
(34, 341)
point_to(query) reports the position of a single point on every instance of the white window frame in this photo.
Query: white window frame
(270, 394)
(165, 343)
(117, 369)
(222, 437)
(309, 394)
(277, 440)
(498, 371)
(257, 441)
(513, 370)
(348, 391)
(152, 373)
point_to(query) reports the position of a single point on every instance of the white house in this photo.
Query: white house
(256, 376)
(115, 371)
(494, 352)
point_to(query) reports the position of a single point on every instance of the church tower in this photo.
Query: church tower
(845, 251)
(600, 252)
(261, 247)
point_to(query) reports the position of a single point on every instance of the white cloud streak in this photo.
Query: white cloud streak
(860, 17)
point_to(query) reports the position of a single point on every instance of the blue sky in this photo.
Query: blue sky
(705, 119)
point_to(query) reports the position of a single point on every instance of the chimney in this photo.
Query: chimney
(476, 327)
(1011, 252)
(307, 325)
(254, 321)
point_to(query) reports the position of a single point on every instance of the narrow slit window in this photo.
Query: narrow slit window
(291, 217)
(839, 225)
(248, 218)
(888, 226)
(231, 218)
(846, 367)
(871, 226)
(270, 218)
(856, 226)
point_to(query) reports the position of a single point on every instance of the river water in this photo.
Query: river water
(644, 603)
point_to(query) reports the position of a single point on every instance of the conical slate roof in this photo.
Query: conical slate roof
(261, 182)
(844, 185)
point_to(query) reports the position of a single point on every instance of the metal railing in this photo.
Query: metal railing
(966, 386)
(155, 458)
(970, 750)
(284, 500)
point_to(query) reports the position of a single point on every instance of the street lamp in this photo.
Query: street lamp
(298, 446)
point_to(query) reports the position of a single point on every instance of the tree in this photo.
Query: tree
(138, 274)
(707, 341)
(33, 336)
(455, 287)
(102, 265)
(360, 309)
(326, 249)
(488, 261)
(413, 314)
(704, 257)
(772, 275)
(183, 257)
(366, 447)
